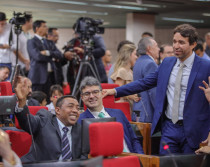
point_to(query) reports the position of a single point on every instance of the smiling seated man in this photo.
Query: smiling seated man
(91, 94)
(57, 137)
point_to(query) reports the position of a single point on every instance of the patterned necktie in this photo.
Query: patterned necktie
(66, 152)
(101, 115)
(177, 90)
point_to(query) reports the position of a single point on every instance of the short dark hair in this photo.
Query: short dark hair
(162, 47)
(59, 102)
(37, 24)
(50, 30)
(28, 17)
(57, 87)
(120, 45)
(186, 30)
(147, 33)
(199, 46)
(3, 67)
(39, 96)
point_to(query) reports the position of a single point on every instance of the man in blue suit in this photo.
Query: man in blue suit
(185, 126)
(41, 52)
(91, 94)
(148, 51)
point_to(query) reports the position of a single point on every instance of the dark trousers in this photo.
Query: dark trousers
(45, 87)
(174, 136)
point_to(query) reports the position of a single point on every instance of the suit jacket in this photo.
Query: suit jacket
(131, 140)
(47, 136)
(143, 66)
(196, 115)
(38, 62)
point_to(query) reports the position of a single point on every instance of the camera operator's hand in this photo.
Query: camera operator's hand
(69, 55)
(79, 50)
(27, 64)
(4, 46)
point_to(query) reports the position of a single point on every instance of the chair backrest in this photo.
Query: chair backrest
(33, 110)
(106, 138)
(21, 142)
(6, 89)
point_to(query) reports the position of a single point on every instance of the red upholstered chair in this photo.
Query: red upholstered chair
(106, 139)
(33, 110)
(66, 90)
(6, 89)
(21, 142)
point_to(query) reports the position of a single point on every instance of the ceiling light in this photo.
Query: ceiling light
(119, 7)
(66, 2)
(182, 20)
(82, 12)
(202, 0)
(206, 14)
(135, 3)
(71, 11)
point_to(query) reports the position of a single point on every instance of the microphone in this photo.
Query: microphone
(32, 136)
(166, 147)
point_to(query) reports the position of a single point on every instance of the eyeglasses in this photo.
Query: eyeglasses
(94, 93)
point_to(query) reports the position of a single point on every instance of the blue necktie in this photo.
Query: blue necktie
(66, 152)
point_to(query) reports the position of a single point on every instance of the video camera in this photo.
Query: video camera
(18, 19)
(87, 27)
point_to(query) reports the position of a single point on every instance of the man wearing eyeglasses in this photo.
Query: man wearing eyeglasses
(91, 95)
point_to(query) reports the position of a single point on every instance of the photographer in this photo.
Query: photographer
(8, 44)
(24, 37)
(76, 47)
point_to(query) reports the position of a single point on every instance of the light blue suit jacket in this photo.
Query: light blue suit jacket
(131, 140)
(196, 114)
(144, 66)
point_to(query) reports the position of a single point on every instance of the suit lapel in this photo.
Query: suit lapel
(88, 114)
(193, 73)
(55, 124)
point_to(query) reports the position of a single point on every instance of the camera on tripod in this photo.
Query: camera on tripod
(87, 27)
(18, 19)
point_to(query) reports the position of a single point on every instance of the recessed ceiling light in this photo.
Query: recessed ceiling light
(206, 14)
(119, 7)
(182, 20)
(82, 12)
(137, 4)
(66, 2)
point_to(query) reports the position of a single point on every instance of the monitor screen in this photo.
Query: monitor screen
(85, 131)
(93, 162)
(7, 104)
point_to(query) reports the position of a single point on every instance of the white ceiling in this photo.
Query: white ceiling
(64, 13)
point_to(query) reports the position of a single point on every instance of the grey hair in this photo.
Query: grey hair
(143, 44)
(89, 81)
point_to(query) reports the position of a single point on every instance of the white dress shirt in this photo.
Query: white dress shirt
(6, 55)
(184, 82)
(61, 126)
(106, 115)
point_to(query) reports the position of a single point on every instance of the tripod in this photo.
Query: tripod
(18, 30)
(85, 62)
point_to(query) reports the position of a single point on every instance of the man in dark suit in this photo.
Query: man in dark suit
(56, 137)
(91, 94)
(148, 51)
(41, 53)
(182, 111)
